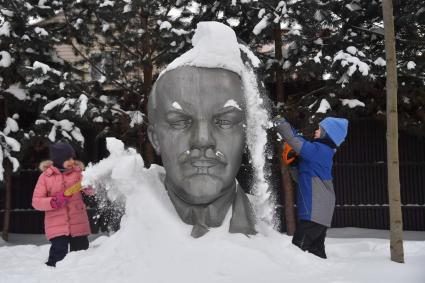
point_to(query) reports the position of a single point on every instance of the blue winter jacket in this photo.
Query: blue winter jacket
(315, 196)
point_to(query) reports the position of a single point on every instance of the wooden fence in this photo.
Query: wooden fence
(359, 175)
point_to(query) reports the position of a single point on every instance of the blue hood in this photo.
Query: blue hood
(336, 129)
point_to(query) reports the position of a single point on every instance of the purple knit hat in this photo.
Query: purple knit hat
(60, 152)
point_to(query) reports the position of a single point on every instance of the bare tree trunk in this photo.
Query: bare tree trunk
(7, 180)
(287, 186)
(148, 152)
(288, 202)
(280, 95)
(8, 198)
(396, 220)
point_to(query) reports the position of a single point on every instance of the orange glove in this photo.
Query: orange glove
(288, 154)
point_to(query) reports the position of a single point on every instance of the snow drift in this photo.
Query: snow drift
(154, 245)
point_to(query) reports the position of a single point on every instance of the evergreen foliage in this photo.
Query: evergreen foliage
(333, 61)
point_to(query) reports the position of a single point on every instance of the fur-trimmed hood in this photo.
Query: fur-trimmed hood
(46, 164)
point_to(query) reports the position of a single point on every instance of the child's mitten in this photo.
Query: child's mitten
(59, 200)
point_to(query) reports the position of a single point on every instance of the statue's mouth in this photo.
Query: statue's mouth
(203, 165)
(202, 161)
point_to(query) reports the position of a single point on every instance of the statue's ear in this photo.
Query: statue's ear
(153, 138)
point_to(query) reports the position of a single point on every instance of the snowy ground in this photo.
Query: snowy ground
(355, 255)
(334, 233)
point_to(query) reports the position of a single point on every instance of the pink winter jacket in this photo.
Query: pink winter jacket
(71, 219)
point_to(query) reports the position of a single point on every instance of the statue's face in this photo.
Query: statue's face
(199, 131)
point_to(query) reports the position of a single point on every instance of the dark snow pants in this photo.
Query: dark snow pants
(59, 247)
(310, 236)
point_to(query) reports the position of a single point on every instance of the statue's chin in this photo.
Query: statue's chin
(201, 188)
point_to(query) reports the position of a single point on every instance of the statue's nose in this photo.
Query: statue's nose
(202, 136)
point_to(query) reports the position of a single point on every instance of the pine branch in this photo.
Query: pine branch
(378, 33)
(93, 65)
(266, 4)
(122, 44)
(123, 72)
(411, 75)
(157, 56)
(311, 92)
(107, 105)
(381, 34)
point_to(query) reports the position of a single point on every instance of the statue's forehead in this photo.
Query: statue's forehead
(200, 86)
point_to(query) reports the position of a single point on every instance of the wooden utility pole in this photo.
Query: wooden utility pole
(396, 220)
(287, 186)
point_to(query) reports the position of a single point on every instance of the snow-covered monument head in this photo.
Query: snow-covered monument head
(198, 120)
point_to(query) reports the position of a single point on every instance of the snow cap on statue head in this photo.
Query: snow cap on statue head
(214, 46)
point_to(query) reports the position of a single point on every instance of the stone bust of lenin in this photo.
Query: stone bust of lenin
(197, 126)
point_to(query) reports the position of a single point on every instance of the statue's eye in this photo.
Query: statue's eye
(224, 124)
(181, 124)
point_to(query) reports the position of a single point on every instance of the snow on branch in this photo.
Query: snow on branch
(352, 103)
(49, 106)
(83, 100)
(107, 3)
(6, 59)
(411, 65)
(66, 128)
(261, 25)
(1, 163)
(380, 62)
(7, 145)
(12, 143)
(17, 91)
(11, 126)
(5, 29)
(45, 68)
(41, 31)
(354, 63)
(324, 106)
(136, 118)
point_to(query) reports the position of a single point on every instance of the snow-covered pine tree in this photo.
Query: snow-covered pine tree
(337, 48)
(126, 43)
(30, 78)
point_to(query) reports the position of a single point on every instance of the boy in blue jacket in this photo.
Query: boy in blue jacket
(315, 195)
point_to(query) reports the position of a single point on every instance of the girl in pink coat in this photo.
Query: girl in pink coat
(65, 221)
